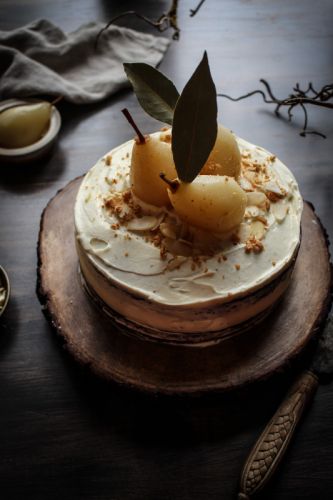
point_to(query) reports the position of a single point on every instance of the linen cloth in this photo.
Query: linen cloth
(40, 58)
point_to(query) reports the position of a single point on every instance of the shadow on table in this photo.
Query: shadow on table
(158, 420)
(32, 177)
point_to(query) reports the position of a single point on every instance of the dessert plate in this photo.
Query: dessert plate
(95, 341)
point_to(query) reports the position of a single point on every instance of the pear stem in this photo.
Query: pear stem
(174, 185)
(130, 120)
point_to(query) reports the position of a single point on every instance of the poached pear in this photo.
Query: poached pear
(214, 203)
(25, 124)
(149, 159)
(225, 157)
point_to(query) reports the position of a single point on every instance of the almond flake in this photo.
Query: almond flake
(251, 212)
(177, 247)
(168, 230)
(176, 262)
(243, 232)
(279, 211)
(256, 198)
(245, 184)
(145, 223)
(257, 229)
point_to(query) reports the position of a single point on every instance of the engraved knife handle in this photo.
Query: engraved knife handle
(270, 447)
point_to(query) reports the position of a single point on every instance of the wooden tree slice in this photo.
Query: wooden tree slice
(95, 341)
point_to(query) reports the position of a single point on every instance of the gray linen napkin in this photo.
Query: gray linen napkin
(41, 59)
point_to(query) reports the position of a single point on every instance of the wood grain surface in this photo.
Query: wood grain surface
(156, 367)
(63, 432)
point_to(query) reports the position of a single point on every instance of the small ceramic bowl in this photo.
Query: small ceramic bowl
(37, 149)
(4, 283)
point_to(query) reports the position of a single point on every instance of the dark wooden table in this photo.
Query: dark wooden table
(66, 434)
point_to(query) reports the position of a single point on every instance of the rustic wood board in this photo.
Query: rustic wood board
(95, 341)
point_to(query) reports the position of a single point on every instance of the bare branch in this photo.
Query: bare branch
(299, 98)
(193, 12)
(164, 22)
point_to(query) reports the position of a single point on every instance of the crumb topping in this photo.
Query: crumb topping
(108, 160)
(253, 245)
(123, 206)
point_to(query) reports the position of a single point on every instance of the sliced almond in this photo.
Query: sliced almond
(177, 247)
(250, 176)
(257, 229)
(279, 211)
(251, 212)
(245, 184)
(145, 223)
(169, 230)
(176, 262)
(273, 187)
(243, 232)
(256, 198)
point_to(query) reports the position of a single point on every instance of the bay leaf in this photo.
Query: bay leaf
(194, 128)
(155, 92)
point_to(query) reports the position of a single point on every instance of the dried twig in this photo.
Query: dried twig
(164, 22)
(299, 98)
(193, 12)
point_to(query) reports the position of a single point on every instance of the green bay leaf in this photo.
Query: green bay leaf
(155, 92)
(194, 128)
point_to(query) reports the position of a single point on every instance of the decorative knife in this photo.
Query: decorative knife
(272, 444)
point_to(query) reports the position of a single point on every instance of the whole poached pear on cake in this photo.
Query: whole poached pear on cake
(190, 234)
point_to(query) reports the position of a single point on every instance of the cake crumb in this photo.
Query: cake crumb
(274, 197)
(224, 257)
(108, 160)
(127, 195)
(253, 245)
(126, 254)
(237, 267)
(166, 138)
(123, 206)
(273, 263)
(157, 240)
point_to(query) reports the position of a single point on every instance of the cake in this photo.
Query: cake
(162, 278)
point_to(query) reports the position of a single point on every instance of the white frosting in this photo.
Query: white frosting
(135, 265)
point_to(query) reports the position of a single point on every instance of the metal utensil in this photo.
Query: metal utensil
(5, 289)
(272, 444)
